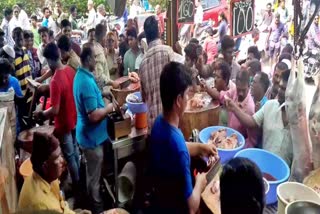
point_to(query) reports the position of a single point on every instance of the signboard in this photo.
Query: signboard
(242, 17)
(185, 11)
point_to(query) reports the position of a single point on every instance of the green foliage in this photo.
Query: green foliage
(162, 3)
(30, 6)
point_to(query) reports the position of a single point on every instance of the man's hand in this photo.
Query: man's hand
(203, 84)
(201, 180)
(207, 150)
(38, 79)
(38, 115)
(119, 60)
(230, 104)
(115, 84)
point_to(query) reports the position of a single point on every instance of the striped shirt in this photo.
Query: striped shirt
(22, 68)
(154, 60)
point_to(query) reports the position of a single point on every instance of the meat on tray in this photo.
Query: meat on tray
(220, 139)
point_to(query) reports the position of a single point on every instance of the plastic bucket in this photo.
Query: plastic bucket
(141, 120)
(127, 181)
(26, 168)
(294, 191)
(224, 154)
(268, 163)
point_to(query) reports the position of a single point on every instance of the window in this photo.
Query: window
(210, 3)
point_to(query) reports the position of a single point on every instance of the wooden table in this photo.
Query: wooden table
(7, 160)
(125, 147)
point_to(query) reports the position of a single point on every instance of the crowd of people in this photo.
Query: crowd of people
(78, 78)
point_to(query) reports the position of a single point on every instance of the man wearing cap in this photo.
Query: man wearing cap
(41, 190)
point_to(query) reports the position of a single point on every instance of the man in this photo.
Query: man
(266, 19)
(198, 16)
(2, 38)
(44, 35)
(131, 55)
(62, 109)
(277, 31)
(102, 74)
(21, 63)
(15, 19)
(101, 14)
(283, 12)
(23, 18)
(254, 67)
(32, 53)
(59, 14)
(135, 9)
(91, 21)
(34, 29)
(112, 56)
(276, 78)
(313, 35)
(66, 30)
(210, 46)
(273, 121)
(8, 81)
(46, 15)
(41, 190)
(227, 47)
(91, 124)
(160, 19)
(170, 154)
(245, 101)
(253, 53)
(155, 59)
(143, 48)
(68, 56)
(7, 26)
(73, 17)
(259, 88)
(91, 35)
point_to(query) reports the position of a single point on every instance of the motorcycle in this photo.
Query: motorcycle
(311, 64)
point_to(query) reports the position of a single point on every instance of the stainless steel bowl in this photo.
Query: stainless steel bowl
(303, 207)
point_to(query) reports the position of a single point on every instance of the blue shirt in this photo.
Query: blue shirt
(263, 101)
(45, 23)
(88, 98)
(169, 154)
(13, 83)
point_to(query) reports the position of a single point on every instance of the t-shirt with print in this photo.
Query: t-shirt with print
(169, 154)
(61, 94)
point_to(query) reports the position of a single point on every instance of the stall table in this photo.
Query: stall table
(125, 147)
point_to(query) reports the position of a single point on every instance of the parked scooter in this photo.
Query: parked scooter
(311, 64)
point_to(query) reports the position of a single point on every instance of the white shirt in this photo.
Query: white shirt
(135, 10)
(7, 28)
(99, 18)
(52, 25)
(276, 137)
(284, 15)
(198, 16)
(91, 22)
(15, 22)
(24, 20)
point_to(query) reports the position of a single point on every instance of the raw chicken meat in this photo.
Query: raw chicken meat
(220, 139)
(197, 101)
(314, 126)
(296, 111)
